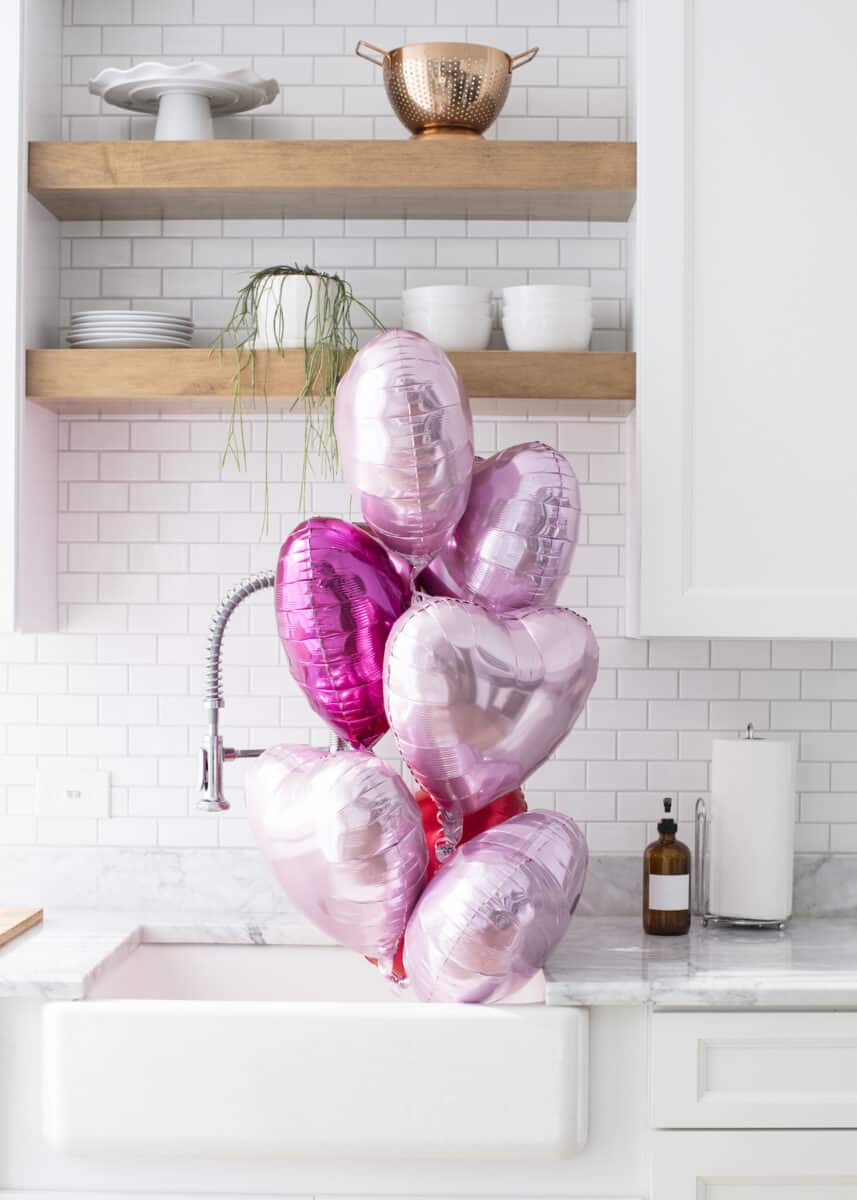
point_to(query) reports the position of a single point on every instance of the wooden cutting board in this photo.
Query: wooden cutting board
(16, 920)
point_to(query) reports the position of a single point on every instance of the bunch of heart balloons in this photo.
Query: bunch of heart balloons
(436, 619)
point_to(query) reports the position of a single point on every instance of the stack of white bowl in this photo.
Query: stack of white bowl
(453, 316)
(547, 316)
(127, 329)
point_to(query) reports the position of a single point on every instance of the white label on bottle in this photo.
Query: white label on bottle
(669, 893)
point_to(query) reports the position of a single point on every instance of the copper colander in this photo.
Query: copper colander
(446, 87)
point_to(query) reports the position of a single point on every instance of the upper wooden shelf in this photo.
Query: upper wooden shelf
(90, 381)
(442, 177)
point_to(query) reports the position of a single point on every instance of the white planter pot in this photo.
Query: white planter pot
(299, 298)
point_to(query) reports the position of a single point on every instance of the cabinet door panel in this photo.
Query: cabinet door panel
(754, 1166)
(754, 1070)
(745, 247)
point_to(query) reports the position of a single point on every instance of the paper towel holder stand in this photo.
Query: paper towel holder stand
(700, 848)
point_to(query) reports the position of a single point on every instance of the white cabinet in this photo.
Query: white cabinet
(755, 1070)
(31, 32)
(754, 1166)
(746, 246)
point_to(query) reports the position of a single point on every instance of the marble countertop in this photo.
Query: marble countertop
(812, 963)
(601, 961)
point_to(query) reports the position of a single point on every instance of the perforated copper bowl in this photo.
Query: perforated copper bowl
(446, 87)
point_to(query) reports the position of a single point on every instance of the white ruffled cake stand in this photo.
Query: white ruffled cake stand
(185, 98)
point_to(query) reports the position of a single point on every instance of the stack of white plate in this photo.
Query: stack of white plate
(454, 316)
(126, 329)
(547, 316)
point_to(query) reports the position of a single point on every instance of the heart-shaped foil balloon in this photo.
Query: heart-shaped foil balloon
(489, 919)
(345, 840)
(477, 700)
(513, 546)
(405, 437)
(337, 595)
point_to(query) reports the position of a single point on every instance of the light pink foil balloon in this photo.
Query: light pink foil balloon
(345, 840)
(489, 919)
(405, 437)
(513, 546)
(477, 700)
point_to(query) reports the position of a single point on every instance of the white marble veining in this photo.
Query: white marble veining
(601, 961)
(62, 958)
(812, 963)
(237, 880)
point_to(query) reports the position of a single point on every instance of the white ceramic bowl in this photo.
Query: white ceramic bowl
(550, 306)
(547, 331)
(449, 293)
(452, 329)
(416, 306)
(528, 293)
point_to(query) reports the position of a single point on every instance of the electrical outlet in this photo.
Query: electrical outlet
(67, 792)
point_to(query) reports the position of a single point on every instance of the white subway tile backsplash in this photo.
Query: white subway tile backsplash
(800, 714)
(726, 653)
(844, 655)
(829, 685)
(844, 714)
(770, 685)
(843, 777)
(800, 654)
(678, 714)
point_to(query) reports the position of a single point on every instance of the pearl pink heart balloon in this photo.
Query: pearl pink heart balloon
(489, 919)
(338, 592)
(477, 700)
(513, 546)
(405, 439)
(345, 840)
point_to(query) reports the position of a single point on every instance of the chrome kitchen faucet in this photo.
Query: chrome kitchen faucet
(213, 754)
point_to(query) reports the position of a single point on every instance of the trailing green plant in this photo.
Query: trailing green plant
(329, 340)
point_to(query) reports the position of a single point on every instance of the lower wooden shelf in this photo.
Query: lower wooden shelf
(109, 381)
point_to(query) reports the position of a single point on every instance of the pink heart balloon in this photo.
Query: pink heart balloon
(405, 439)
(477, 700)
(513, 546)
(489, 919)
(338, 593)
(345, 840)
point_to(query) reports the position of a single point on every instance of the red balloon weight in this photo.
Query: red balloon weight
(492, 814)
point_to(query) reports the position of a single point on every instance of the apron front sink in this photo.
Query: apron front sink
(287, 1052)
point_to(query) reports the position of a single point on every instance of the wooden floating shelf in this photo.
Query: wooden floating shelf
(437, 177)
(92, 381)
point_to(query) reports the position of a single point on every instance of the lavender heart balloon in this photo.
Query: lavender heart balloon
(513, 546)
(337, 595)
(345, 840)
(405, 437)
(489, 919)
(477, 700)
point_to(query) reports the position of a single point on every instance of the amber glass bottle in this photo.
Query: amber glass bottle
(666, 881)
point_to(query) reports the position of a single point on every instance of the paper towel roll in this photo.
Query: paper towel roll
(751, 832)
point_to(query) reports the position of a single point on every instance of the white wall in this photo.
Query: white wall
(153, 529)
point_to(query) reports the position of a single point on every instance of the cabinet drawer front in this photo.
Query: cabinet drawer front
(811, 1165)
(754, 1070)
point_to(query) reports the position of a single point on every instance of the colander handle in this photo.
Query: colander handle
(385, 57)
(521, 60)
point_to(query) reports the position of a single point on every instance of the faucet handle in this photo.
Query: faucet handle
(211, 798)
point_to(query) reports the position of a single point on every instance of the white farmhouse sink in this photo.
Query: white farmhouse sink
(304, 1052)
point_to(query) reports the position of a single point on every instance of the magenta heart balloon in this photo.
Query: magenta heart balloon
(405, 439)
(345, 840)
(477, 700)
(489, 919)
(337, 595)
(513, 546)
